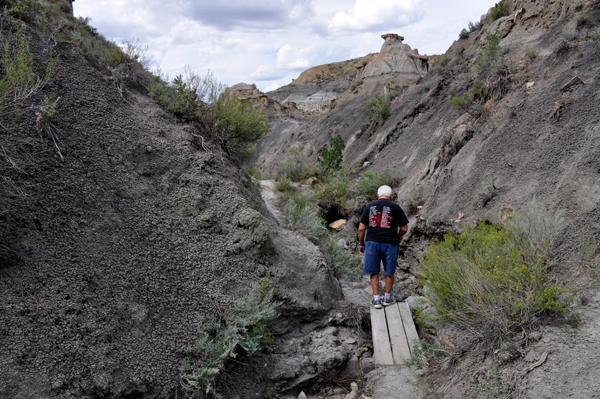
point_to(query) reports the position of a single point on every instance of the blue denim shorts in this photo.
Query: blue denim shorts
(375, 253)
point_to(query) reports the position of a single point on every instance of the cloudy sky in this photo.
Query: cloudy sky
(270, 42)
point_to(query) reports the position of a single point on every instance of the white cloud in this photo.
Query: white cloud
(273, 86)
(291, 58)
(267, 72)
(264, 15)
(272, 41)
(368, 15)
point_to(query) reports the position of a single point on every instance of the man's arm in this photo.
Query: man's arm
(401, 233)
(361, 234)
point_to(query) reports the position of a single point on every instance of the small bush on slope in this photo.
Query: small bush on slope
(297, 167)
(301, 214)
(331, 158)
(490, 50)
(236, 125)
(380, 109)
(501, 9)
(242, 326)
(494, 280)
(18, 77)
(465, 101)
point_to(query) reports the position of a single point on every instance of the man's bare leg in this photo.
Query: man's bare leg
(375, 283)
(389, 282)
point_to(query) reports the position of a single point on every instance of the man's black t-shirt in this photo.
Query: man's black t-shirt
(383, 218)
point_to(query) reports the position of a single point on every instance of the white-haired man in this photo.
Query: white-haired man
(385, 224)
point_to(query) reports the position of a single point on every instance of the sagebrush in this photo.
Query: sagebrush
(243, 326)
(494, 281)
(379, 109)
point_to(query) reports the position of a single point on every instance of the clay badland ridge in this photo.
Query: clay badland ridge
(111, 248)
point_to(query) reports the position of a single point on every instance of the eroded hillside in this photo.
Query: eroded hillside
(533, 134)
(121, 227)
(506, 117)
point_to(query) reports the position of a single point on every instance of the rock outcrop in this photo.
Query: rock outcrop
(396, 60)
(317, 89)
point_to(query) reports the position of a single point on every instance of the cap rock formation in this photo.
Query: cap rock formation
(395, 59)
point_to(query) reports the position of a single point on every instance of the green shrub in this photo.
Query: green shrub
(356, 85)
(17, 62)
(331, 158)
(493, 280)
(364, 189)
(301, 215)
(234, 123)
(185, 103)
(536, 229)
(380, 109)
(343, 262)
(491, 385)
(297, 167)
(425, 352)
(531, 53)
(238, 125)
(569, 34)
(594, 34)
(464, 102)
(501, 9)
(475, 26)
(579, 56)
(242, 326)
(285, 186)
(333, 192)
(112, 56)
(490, 50)
(29, 11)
(464, 34)
(256, 173)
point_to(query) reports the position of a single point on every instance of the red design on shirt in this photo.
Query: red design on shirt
(380, 219)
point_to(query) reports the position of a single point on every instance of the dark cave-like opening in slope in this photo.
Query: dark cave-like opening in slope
(332, 213)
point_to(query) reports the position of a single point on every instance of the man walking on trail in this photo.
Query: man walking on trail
(385, 224)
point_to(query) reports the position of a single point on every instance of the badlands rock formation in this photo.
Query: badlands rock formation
(318, 89)
(395, 60)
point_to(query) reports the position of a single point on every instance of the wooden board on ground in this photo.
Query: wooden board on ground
(409, 325)
(400, 349)
(382, 350)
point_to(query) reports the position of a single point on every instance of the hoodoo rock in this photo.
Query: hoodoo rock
(398, 60)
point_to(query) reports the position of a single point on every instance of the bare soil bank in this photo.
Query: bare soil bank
(109, 256)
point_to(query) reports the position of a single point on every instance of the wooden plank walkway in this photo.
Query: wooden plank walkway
(394, 334)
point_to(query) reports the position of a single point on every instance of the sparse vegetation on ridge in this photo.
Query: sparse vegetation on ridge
(236, 125)
(502, 9)
(356, 85)
(493, 281)
(380, 109)
(475, 26)
(466, 100)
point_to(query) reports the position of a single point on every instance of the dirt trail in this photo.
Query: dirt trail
(267, 192)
